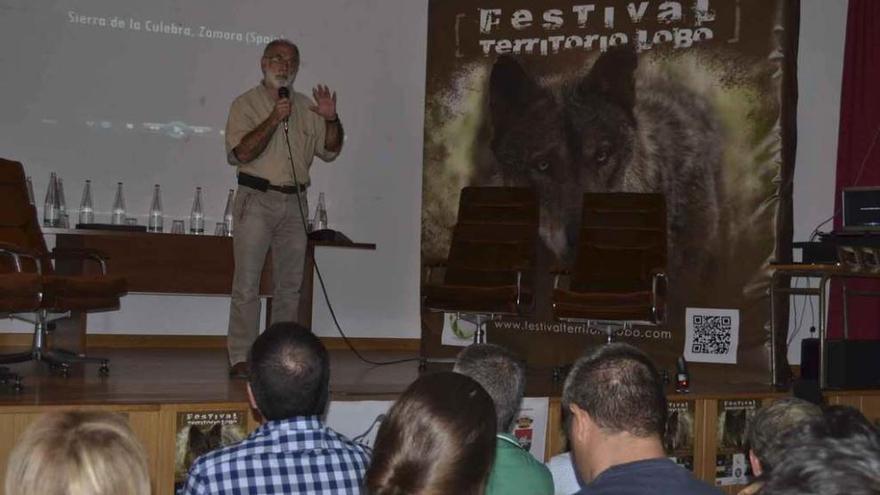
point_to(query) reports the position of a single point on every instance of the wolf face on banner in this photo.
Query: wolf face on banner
(608, 131)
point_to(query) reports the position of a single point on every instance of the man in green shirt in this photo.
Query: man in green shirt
(503, 375)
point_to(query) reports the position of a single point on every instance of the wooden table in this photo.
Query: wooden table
(171, 264)
(825, 273)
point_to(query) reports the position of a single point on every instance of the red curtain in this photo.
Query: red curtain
(858, 152)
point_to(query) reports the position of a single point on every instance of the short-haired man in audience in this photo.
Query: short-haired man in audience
(618, 412)
(846, 422)
(503, 376)
(768, 425)
(293, 451)
(827, 458)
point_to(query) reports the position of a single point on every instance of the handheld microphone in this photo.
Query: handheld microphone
(284, 92)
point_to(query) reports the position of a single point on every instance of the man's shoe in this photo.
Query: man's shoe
(240, 370)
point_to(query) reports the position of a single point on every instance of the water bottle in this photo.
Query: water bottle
(30, 190)
(196, 217)
(118, 216)
(321, 213)
(86, 212)
(62, 205)
(227, 212)
(50, 205)
(154, 224)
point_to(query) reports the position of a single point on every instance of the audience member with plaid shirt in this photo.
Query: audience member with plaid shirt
(293, 451)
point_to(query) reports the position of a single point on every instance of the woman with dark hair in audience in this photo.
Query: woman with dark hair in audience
(438, 439)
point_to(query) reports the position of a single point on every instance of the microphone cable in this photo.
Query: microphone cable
(363, 437)
(302, 217)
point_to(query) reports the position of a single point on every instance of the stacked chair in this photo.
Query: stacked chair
(490, 270)
(619, 273)
(31, 283)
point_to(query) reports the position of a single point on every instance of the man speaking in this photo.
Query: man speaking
(270, 203)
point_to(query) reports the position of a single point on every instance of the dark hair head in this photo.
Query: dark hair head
(817, 462)
(438, 438)
(619, 387)
(847, 422)
(290, 372)
(771, 422)
(501, 374)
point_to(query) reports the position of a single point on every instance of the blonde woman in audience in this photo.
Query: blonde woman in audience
(438, 439)
(78, 453)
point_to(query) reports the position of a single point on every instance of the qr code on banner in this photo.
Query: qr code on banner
(712, 335)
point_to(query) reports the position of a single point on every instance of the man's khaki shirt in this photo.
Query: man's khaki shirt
(306, 128)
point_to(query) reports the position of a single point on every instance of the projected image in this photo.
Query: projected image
(128, 91)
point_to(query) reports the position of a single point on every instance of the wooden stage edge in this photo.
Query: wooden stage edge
(155, 387)
(142, 341)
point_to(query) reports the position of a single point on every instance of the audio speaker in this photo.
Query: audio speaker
(853, 363)
(810, 359)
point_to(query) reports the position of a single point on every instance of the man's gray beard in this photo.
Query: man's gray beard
(277, 83)
(286, 82)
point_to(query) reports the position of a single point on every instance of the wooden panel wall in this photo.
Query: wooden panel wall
(705, 419)
(156, 426)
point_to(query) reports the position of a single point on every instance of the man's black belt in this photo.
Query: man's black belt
(261, 184)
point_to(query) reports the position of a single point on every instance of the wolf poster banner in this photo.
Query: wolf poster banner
(692, 99)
